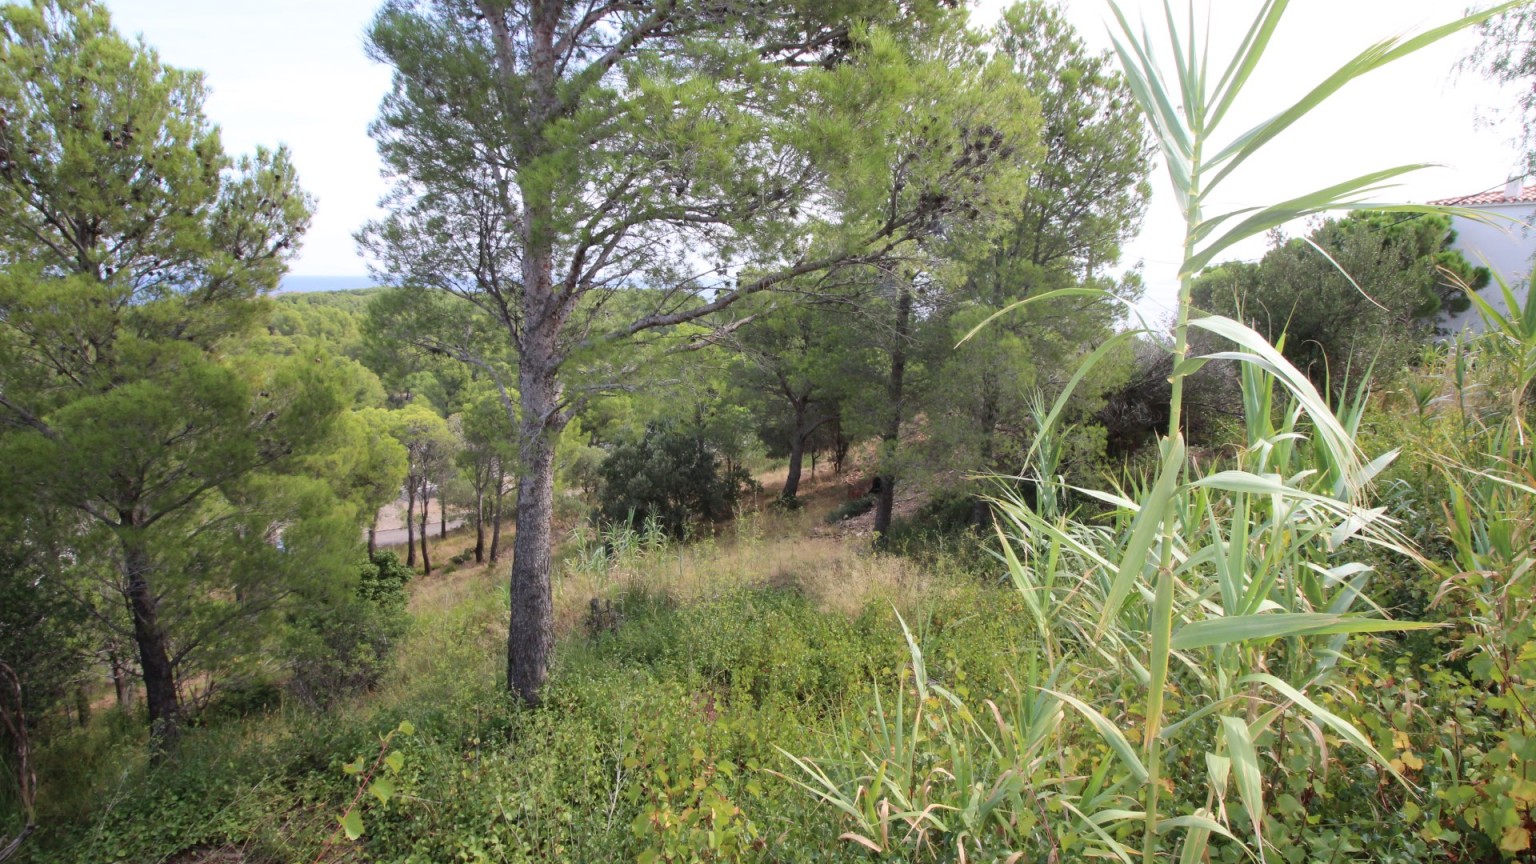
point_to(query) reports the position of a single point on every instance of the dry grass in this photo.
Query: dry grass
(764, 550)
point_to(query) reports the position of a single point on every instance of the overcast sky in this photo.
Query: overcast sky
(293, 72)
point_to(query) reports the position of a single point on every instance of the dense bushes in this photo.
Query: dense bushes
(339, 648)
(672, 475)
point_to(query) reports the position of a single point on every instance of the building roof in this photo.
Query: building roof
(1500, 195)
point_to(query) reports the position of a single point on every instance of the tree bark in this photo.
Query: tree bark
(530, 631)
(82, 706)
(840, 445)
(373, 535)
(154, 653)
(501, 482)
(426, 505)
(119, 678)
(791, 485)
(796, 454)
(981, 510)
(895, 393)
(530, 635)
(410, 524)
(480, 525)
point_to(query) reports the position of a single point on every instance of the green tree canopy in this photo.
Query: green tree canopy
(550, 156)
(1336, 325)
(133, 258)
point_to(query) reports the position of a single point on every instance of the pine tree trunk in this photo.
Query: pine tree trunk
(501, 482)
(119, 678)
(840, 445)
(981, 511)
(410, 525)
(426, 506)
(82, 706)
(373, 535)
(890, 436)
(796, 458)
(530, 636)
(480, 525)
(154, 652)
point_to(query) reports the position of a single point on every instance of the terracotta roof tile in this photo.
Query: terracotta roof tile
(1495, 196)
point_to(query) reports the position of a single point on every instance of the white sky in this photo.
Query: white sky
(293, 72)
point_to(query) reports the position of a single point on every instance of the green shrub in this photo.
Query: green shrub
(671, 475)
(341, 647)
(850, 509)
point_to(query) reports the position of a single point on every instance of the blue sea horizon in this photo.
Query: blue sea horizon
(312, 284)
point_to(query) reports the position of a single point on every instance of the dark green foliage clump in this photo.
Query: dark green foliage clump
(671, 475)
(340, 648)
(849, 509)
(382, 580)
(1403, 274)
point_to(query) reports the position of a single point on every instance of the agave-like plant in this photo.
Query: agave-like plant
(1204, 616)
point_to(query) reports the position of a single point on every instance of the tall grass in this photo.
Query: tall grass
(1189, 633)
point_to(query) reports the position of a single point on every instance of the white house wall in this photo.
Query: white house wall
(1506, 248)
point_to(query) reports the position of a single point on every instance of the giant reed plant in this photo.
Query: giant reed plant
(1192, 629)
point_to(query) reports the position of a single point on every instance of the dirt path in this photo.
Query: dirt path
(398, 536)
(391, 525)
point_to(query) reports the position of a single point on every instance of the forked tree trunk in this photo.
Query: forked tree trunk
(791, 483)
(426, 505)
(154, 653)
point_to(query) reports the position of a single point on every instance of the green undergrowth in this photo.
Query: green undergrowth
(659, 740)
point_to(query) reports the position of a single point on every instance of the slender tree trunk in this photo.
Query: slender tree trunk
(426, 506)
(840, 445)
(981, 511)
(82, 706)
(410, 524)
(501, 482)
(796, 461)
(890, 436)
(154, 652)
(373, 535)
(480, 524)
(119, 678)
(442, 517)
(796, 454)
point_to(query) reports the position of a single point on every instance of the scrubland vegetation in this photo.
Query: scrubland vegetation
(672, 333)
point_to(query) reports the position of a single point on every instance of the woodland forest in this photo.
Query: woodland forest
(749, 445)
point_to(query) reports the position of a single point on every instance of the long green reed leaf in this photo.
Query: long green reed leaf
(1108, 731)
(1237, 629)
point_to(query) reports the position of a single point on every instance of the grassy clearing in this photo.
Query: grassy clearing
(660, 740)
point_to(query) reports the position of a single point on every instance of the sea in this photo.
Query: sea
(310, 284)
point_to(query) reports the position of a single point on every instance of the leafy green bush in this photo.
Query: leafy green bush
(340, 647)
(849, 509)
(671, 475)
